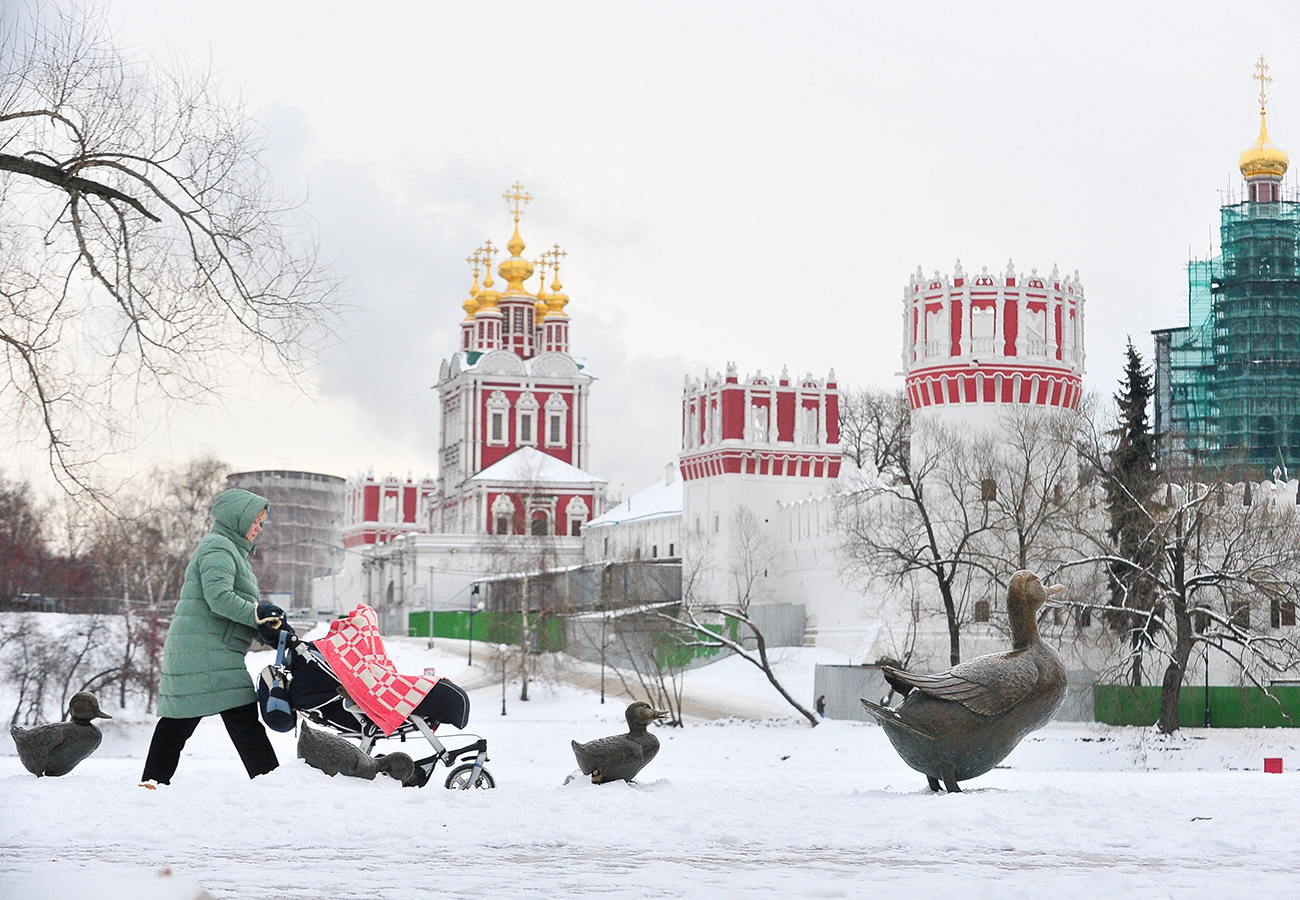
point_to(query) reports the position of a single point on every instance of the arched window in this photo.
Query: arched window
(758, 423)
(540, 524)
(981, 610)
(809, 424)
(503, 515)
(576, 513)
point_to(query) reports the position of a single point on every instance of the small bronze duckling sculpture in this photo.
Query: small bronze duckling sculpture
(620, 756)
(56, 749)
(334, 755)
(959, 724)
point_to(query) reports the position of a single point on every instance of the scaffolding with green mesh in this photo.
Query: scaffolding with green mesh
(1227, 386)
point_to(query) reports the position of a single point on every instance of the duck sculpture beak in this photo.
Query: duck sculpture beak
(661, 713)
(1052, 602)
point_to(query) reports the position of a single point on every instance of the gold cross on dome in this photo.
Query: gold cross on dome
(1261, 75)
(517, 195)
(475, 260)
(556, 254)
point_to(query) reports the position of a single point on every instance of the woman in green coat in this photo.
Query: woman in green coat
(216, 619)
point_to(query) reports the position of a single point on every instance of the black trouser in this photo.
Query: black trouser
(245, 731)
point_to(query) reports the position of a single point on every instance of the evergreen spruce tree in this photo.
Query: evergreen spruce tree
(1130, 480)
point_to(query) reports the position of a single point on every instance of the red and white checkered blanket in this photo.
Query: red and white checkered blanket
(355, 652)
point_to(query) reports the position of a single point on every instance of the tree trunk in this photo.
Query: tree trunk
(954, 627)
(1135, 640)
(1172, 687)
(525, 640)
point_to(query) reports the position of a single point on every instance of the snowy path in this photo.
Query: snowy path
(728, 809)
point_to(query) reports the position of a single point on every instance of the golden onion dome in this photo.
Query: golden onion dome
(515, 270)
(556, 300)
(1262, 158)
(470, 305)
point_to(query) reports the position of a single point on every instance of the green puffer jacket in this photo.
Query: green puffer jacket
(203, 670)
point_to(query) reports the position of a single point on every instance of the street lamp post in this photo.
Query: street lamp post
(474, 607)
(501, 648)
(603, 620)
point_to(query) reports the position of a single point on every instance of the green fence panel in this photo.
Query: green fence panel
(1229, 706)
(490, 627)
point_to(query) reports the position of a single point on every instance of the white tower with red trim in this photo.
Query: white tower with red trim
(975, 346)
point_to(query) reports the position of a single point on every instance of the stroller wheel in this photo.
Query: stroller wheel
(459, 778)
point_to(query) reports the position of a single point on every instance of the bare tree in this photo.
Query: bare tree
(751, 556)
(1225, 555)
(918, 515)
(649, 654)
(142, 247)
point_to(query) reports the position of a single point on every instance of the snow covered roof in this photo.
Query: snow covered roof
(530, 465)
(663, 498)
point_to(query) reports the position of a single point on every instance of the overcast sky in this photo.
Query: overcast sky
(748, 181)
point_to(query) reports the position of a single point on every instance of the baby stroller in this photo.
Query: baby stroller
(302, 677)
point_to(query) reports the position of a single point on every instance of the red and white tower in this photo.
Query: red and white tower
(975, 346)
(748, 447)
(514, 406)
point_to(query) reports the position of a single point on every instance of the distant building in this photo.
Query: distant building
(304, 538)
(1227, 385)
(645, 526)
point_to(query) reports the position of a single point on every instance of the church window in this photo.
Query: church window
(526, 423)
(389, 511)
(981, 610)
(670, 550)
(556, 413)
(503, 513)
(654, 551)
(716, 522)
(576, 512)
(539, 527)
(498, 407)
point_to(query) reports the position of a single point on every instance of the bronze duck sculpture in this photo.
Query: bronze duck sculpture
(334, 755)
(56, 749)
(959, 724)
(620, 756)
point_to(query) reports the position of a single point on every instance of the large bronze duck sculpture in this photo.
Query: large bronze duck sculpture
(959, 724)
(56, 749)
(620, 756)
(334, 755)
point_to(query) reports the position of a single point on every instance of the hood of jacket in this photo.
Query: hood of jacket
(233, 513)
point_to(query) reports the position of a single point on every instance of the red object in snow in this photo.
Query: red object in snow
(1273, 764)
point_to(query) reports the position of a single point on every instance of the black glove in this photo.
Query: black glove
(270, 620)
(269, 611)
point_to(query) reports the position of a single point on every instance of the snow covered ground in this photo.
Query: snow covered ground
(730, 808)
